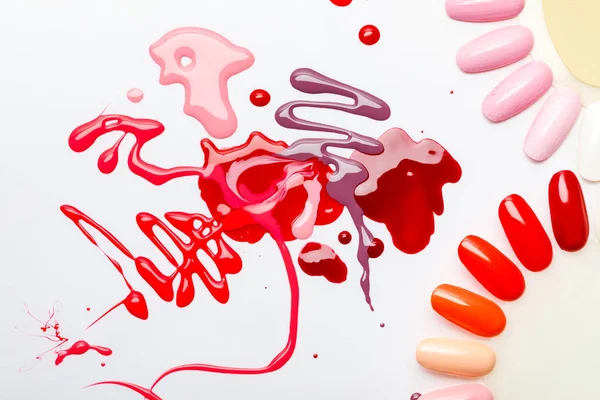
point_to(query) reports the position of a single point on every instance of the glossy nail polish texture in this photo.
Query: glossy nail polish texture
(483, 10)
(525, 233)
(589, 144)
(495, 49)
(518, 91)
(468, 310)
(468, 391)
(458, 357)
(568, 211)
(496, 272)
(552, 124)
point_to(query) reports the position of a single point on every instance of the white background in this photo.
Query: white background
(63, 61)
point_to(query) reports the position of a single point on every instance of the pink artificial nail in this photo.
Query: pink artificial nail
(469, 391)
(552, 124)
(495, 49)
(483, 10)
(518, 91)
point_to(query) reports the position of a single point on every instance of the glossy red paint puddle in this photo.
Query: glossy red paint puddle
(369, 35)
(79, 348)
(260, 97)
(318, 259)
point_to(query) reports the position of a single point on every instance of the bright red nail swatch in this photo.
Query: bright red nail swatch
(525, 233)
(491, 268)
(568, 211)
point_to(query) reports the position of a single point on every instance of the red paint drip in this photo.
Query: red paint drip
(318, 259)
(376, 248)
(260, 97)
(345, 237)
(80, 348)
(369, 35)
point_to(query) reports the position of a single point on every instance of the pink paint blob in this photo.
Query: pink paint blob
(202, 61)
(135, 95)
(80, 348)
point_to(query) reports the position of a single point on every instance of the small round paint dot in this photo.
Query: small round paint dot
(260, 97)
(452, 92)
(422, 131)
(103, 365)
(345, 237)
(341, 3)
(88, 309)
(315, 355)
(376, 248)
(382, 324)
(369, 35)
(415, 396)
(135, 95)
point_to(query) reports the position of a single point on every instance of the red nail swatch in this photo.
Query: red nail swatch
(491, 268)
(568, 211)
(525, 233)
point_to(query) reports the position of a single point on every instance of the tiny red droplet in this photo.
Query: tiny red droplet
(452, 92)
(103, 365)
(382, 324)
(315, 355)
(341, 3)
(345, 237)
(88, 309)
(415, 396)
(260, 97)
(369, 35)
(376, 248)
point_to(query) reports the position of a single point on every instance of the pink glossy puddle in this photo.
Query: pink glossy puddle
(135, 95)
(202, 61)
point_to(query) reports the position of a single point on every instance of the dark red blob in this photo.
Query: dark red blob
(260, 97)
(404, 189)
(452, 92)
(88, 309)
(525, 233)
(382, 325)
(345, 237)
(317, 259)
(315, 356)
(415, 396)
(568, 211)
(376, 248)
(341, 3)
(78, 349)
(103, 365)
(369, 35)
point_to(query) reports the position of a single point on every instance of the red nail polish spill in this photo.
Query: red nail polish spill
(103, 365)
(376, 248)
(318, 259)
(88, 309)
(135, 95)
(568, 211)
(341, 3)
(415, 396)
(525, 233)
(404, 187)
(369, 35)
(260, 97)
(202, 61)
(382, 325)
(79, 348)
(345, 237)
(315, 356)
(452, 92)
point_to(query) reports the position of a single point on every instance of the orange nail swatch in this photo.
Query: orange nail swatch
(468, 310)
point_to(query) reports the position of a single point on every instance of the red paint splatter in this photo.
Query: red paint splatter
(88, 309)
(260, 97)
(341, 3)
(369, 35)
(382, 325)
(345, 237)
(404, 189)
(79, 348)
(318, 259)
(103, 365)
(315, 356)
(452, 92)
(376, 248)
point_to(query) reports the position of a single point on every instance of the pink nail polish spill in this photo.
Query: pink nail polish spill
(80, 348)
(202, 61)
(135, 95)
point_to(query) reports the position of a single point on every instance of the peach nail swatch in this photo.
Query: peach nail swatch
(464, 358)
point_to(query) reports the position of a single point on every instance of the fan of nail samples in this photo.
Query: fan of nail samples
(524, 86)
(501, 277)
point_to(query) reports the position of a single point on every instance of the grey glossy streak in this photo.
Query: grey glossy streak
(348, 173)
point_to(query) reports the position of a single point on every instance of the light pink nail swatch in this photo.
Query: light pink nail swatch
(518, 91)
(483, 10)
(495, 49)
(469, 391)
(552, 124)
